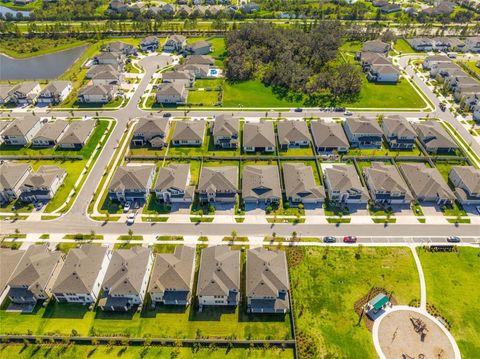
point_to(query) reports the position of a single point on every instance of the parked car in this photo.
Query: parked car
(453, 239)
(442, 106)
(350, 239)
(167, 114)
(131, 218)
(126, 207)
(329, 239)
(298, 109)
(348, 113)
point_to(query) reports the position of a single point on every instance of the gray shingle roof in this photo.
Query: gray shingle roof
(151, 125)
(226, 126)
(44, 177)
(52, 130)
(21, 126)
(9, 260)
(199, 44)
(128, 178)
(344, 178)
(362, 125)
(23, 87)
(189, 130)
(398, 126)
(470, 177)
(300, 182)
(218, 179)
(328, 134)
(375, 46)
(199, 60)
(258, 134)
(290, 130)
(11, 173)
(433, 135)
(171, 89)
(386, 178)
(219, 271)
(55, 87)
(261, 182)
(78, 132)
(173, 176)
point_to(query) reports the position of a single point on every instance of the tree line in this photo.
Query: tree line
(293, 61)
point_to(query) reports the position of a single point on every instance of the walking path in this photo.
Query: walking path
(421, 277)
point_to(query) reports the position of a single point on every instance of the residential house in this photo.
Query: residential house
(25, 93)
(300, 185)
(151, 131)
(9, 260)
(107, 78)
(219, 277)
(267, 283)
(189, 133)
(434, 137)
(126, 279)
(55, 92)
(109, 58)
(131, 183)
(225, 131)
(185, 78)
(386, 185)
(184, 11)
(466, 180)
(363, 132)
(218, 184)
(383, 74)
(261, 184)
(467, 95)
(329, 136)
(429, 61)
(422, 44)
(80, 279)
(120, 47)
(472, 44)
(49, 134)
(293, 134)
(443, 8)
(150, 43)
(118, 6)
(33, 277)
(173, 184)
(172, 277)
(399, 133)
(376, 46)
(12, 176)
(455, 82)
(441, 70)
(426, 184)
(21, 131)
(96, 70)
(369, 59)
(171, 93)
(249, 7)
(201, 47)
(259, 136)
(77, 134)
(343, 185)
(390, 8)
(5, 94)
(97, 93)
(43, 184)
(175, 43)
(201, 71)
(3, 126)
(199, 60)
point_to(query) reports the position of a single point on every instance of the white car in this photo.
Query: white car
(131, 218)
(126, 207)
(348, 113)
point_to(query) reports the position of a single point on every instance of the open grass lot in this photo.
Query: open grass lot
(402, 46)
(101, 352)
(327, 282)
(203, 98)
(452, 287)
(24, 47)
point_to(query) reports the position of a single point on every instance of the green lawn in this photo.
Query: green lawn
(327, 282)
(208, 83)
(402, 46)
(25, 47)
(452, 287)
(472, 65)
(203, 98)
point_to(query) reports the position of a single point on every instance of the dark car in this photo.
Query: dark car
(350, 239)
(453, 239)
(298, 109)
(167, 114)
(329, 239)
(442, 106)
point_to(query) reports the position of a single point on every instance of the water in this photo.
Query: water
(4, 10)
(45, 67)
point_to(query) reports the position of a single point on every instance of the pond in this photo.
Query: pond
(5, 10)
(43, 67)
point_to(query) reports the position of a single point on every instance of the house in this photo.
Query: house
(150, 43)
(21, 131)
(444, 69)
(454, 82)
(126, 279)
(189, 133)
(151, 131)
(118, 6)
(25, 93)
(363, 132)
(97, 93)
(292, 134)
(96, 70)
(443, 8)
(386, 185)
(110, 58)
(472, 44)
(171, 93)
(173, 184)
(434, 137)
(175, 43)
(5, 93)
(329, 136)
(429, 61)
(184, 11)
(343, 185)
(249, 7)
(131, 183)
(9, 260)
(426, 184)
(259, 136)
(261, 184)
(77, 134)
(399, 133)
(3, 126)
(120, 47)
(55, 92)
(33, 277)
(201, 71)
(43, 184)
(199, 60)
(467, 95)
(201, 47)
(466, 180)
(383, 74)
(80, 279)
(12, 176)
(300, 185)
(421, 44)
(185, 78)
(368, 59)
(376, 46)
(390, 8)
(218, 184)
(49, 134)
(225, 131)
(219, 277)
(107, 78)
(267, 283)
(172, 277)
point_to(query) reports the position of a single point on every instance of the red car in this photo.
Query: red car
(350, 239)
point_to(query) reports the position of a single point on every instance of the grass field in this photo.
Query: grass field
(203, 98)
(452, 287)
(327, 282)
(402, 46)
(25, 47)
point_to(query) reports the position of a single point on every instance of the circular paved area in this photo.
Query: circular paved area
(394, 336)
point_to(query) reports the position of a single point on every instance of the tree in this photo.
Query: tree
(130, 233)
(234, 235)
(344, 81)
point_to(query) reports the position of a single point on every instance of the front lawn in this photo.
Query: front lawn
(452, 287)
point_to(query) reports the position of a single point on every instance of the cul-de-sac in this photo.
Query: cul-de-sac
(240, 179)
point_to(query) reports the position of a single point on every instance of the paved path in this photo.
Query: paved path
(421, 277)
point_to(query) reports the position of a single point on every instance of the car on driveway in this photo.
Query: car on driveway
(131, 218)
(453, 239)
(329, 239)
(350, 239)
(167, 114)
